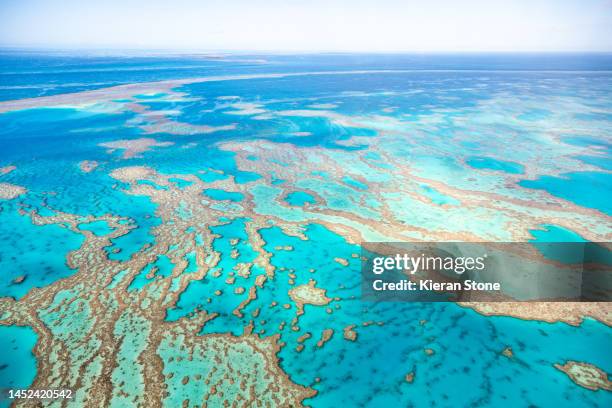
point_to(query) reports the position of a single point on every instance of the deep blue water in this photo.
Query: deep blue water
(26, 74)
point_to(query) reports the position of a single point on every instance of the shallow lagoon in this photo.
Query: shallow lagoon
(299, 198)
(588, 189)
(17, 363)
(490, 163)
(31, 253)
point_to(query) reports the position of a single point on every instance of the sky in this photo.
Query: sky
(310, 25)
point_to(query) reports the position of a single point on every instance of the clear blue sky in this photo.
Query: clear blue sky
(310, 25)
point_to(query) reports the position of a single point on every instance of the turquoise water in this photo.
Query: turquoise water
(535, 114)
(568, 253)
(161, 267)
(355, 183)
(602, 162)
(436, 197)
(198, 293)
(554, 233)
(588, 189)
(180, 182)
(17, 363)
(150, 183)
(468, 346)
(490, 163)
(35, 253)
(97, 227)
(586, 140)
(376, 155)
(299, 198)
(223, 195)
(123, 247)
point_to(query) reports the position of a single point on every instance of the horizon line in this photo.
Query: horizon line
(179, 50)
